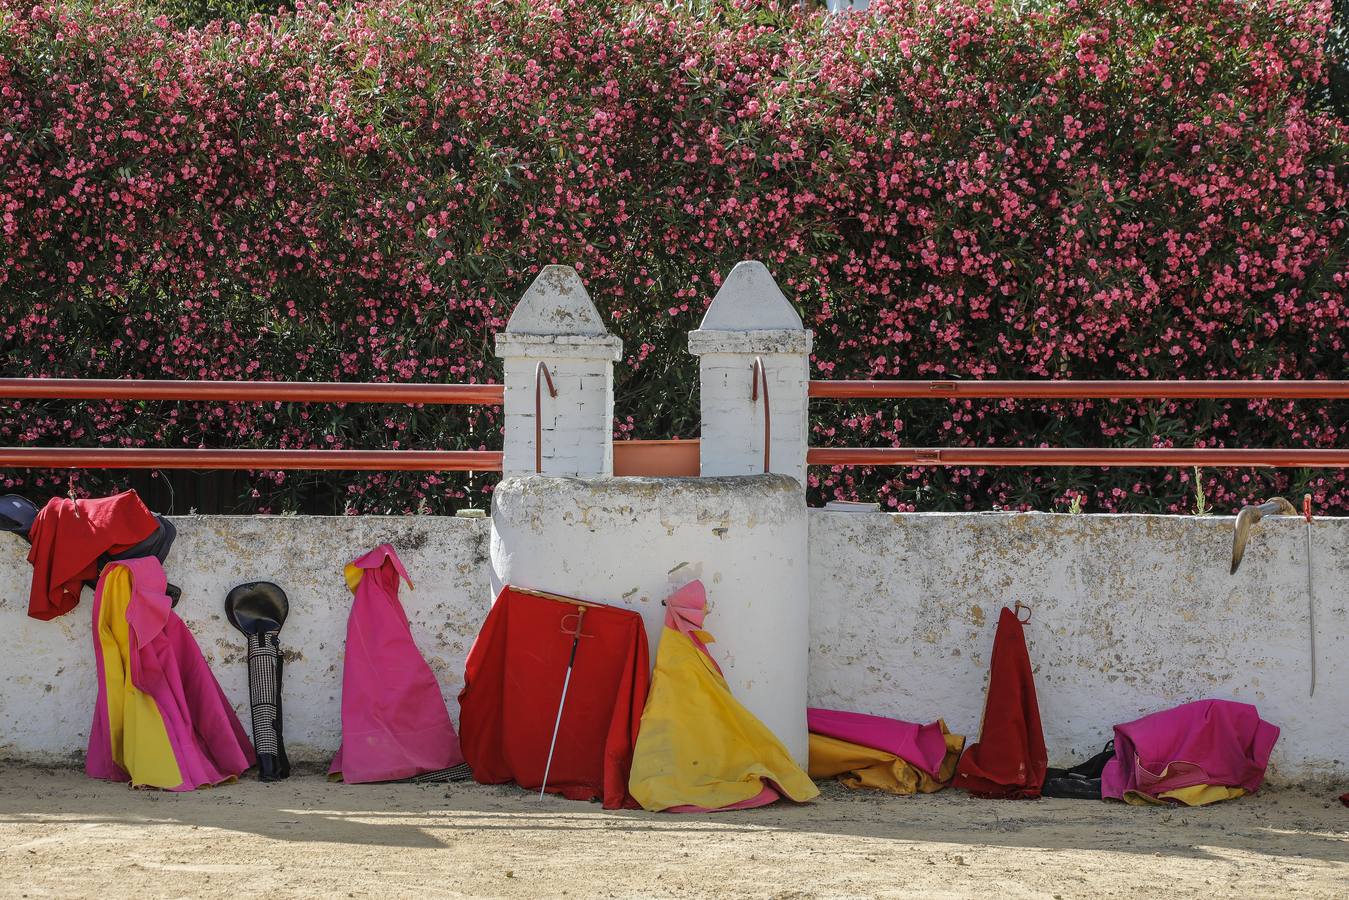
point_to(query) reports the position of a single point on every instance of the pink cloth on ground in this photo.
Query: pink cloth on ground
(1217, 742)
(208, 742)
(394, 720)
(921, 746)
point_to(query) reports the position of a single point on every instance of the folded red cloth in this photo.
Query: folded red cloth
(512, 684)
(1009, 761)
(68, 537)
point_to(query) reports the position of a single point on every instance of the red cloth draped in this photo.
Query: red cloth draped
(513, 682)
(1009, 761)
(68, 537)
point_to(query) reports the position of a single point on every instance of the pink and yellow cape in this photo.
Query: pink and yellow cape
(698, 749)
(160, 719)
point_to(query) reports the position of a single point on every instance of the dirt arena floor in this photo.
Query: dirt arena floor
(63, 835)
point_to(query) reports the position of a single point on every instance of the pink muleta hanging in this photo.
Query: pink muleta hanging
(394, 721)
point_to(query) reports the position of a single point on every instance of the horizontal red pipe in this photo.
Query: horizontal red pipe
(345, 460)
(1073, 456)
(247, 391)
(1064, 390)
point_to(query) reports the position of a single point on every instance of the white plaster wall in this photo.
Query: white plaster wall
(47, 675)
(1132, 614)
(630, 542)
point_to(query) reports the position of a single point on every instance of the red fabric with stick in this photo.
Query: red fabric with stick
(1009, 761)
(513, 682)
(68, 537)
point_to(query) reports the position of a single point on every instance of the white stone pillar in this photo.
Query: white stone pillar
(556, 323)
(750, 319)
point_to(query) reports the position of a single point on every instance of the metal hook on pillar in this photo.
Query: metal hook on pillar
(541, 374)
(759, 374)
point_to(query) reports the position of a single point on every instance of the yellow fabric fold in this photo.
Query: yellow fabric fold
(697, 746)
(860, 767)
(140, 742)
(1194, 795)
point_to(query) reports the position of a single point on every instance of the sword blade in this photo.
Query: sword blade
(566, 682)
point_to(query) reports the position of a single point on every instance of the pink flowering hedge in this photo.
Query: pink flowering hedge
(1097, 189)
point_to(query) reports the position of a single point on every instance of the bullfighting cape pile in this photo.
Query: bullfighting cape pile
(160, 719)
(882, 754)
(394, 721)
(513, 687)
(1010, 760)
(1193, 754)
(698, 749)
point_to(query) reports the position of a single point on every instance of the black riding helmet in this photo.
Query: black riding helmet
(257, 607)
(17, 514)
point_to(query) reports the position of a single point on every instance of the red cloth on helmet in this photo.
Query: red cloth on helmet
(513, 682)
(68, 537)
(1009, 761)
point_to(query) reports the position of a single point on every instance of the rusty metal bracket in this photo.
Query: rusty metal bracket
(541, 374)
(759, 374)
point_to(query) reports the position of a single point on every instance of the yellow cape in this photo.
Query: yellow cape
(698, 746)
(857, 766)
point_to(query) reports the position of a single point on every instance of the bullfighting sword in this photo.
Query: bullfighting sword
(576, 636)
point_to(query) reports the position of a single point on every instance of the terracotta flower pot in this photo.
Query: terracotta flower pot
(656, 458)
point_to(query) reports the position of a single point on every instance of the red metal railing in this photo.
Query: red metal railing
(1074, 456)
(1078, 456)
(250, 392)
(1066, 390)
(346, 460)
(491, 394)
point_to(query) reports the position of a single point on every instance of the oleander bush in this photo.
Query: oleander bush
(964, 189)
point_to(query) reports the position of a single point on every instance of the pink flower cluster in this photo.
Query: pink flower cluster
(965, 189)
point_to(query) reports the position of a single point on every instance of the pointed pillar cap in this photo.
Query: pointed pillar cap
(750, 314)
(556, 317)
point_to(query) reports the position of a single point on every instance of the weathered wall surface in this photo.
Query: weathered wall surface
(632, 541)
(47, 680)
(1131, 614)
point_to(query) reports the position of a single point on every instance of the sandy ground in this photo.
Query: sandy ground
(63, 835)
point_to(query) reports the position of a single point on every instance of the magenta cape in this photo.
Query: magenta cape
(921, 746)
(1216, 742)
(394, 721)
(161, 660)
